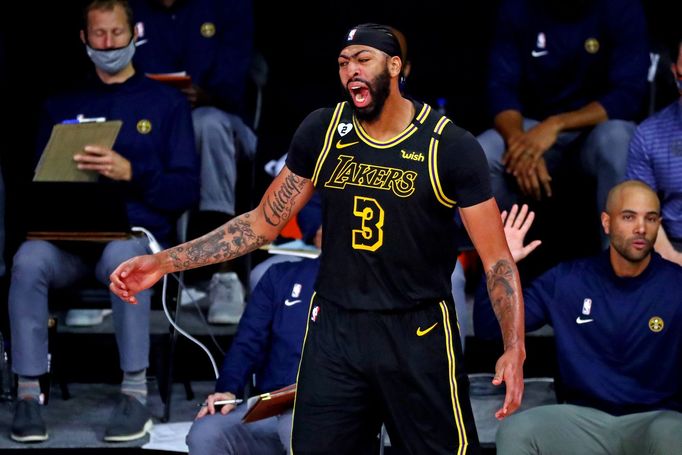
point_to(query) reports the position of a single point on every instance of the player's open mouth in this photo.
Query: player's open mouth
(359, 93)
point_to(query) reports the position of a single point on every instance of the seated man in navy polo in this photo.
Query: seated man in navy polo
(155, 162)
(616, 320)
(268, 343)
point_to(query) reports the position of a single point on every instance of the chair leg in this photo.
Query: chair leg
(55, 364)
(171, 358)
(169, 374)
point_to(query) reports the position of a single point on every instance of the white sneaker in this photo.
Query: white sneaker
(226, 297)
(191, 295)
(84, 318)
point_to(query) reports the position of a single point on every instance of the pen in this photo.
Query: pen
(220, 402)
(82, 119)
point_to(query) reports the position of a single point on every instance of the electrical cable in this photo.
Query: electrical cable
(155, 248)
(181, 331)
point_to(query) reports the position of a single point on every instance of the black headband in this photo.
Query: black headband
(374, 35)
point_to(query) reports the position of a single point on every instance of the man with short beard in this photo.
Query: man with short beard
(616, 320)
(382, 341)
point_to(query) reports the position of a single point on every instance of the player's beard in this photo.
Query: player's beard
(379, 89)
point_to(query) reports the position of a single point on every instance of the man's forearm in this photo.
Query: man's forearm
(509, 123)
(589, 115)
(229, 241)
(245, 233)
(504, 289)
(665, 248)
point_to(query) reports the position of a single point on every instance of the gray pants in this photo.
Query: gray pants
(226, 435)
(39, 266)
(603, 155)
(458, 281)
(220, 138)
(564, 429)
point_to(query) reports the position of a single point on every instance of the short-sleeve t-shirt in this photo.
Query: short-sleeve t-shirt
(388, 206)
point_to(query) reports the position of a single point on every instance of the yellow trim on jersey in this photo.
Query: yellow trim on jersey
(406, 133)
(433, 165)
(328, 140)
(426, 110)
(298, 371)
(454, 395)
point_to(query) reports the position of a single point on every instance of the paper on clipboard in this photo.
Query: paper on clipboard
(66, 140)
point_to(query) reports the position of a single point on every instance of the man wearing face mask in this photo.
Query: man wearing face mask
(155, 163)
(656, 159)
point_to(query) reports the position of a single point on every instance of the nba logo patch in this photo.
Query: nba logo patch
(351, 34)
(587, 306)
(316, 311)
(296, 290)
(541, 41)
(139, 27)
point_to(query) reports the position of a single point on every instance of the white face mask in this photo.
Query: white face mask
(112, 61)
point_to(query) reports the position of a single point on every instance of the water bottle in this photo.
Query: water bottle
(440, 106)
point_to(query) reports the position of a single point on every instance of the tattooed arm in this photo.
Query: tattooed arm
(285, 196)
(484, 226)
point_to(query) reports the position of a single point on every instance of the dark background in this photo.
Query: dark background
(447, 42)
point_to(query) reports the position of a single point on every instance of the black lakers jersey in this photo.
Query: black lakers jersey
(388, 206)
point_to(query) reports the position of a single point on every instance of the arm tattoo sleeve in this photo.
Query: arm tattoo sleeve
(226, 242)
(238, 237)
(278, 206)
(500, 281)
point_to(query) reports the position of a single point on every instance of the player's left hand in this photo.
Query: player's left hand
(509, 369)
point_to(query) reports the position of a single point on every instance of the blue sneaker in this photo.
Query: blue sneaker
(28, 425)
(129, 420)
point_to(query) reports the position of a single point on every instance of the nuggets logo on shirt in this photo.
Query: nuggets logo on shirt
(656, 324)
(592, 45)
(207, 29)
(144, 126)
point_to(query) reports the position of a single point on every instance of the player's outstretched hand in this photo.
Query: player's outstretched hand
(135, 275)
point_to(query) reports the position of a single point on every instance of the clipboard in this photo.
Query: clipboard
(180, 80)
(66, 140)
(76, 211)
(270, 404)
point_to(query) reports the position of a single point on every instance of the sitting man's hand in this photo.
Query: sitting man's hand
(516, 226)
(105, 161)
(534, 179)
(210, 406)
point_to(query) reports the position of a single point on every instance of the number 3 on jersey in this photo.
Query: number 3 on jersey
(370, 236)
